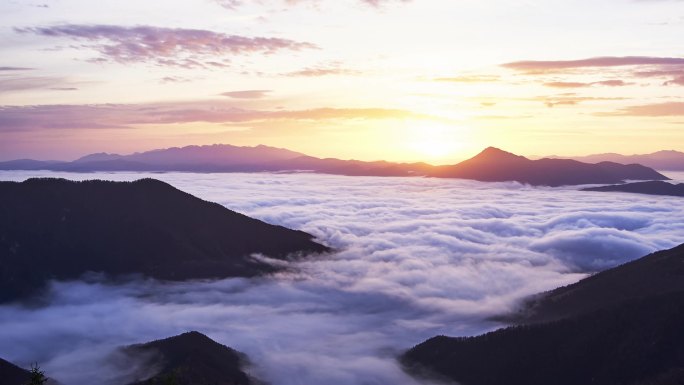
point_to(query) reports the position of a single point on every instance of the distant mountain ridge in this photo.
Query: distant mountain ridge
(491, 165)
(667, 160)
(649, 188)
(60, 229)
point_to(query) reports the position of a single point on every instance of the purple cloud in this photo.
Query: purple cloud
(17, 118)
(532, 66)
(16, 69)
(233, 4)
(247, 94)
(188, 48)
(607, 83)
(330, 69)
(650, 110)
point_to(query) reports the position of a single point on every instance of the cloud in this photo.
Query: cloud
(186, 48)
(323, 70)
(540, 67)
(651, 110)
(247, 94)
(16, 69)
(570, 99)
(679, 81)
(416, 257)
(469, 79)
(234, 4)
(22, 83)
(607, 83)
(17, 118)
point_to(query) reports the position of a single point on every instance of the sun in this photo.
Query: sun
(432, 141)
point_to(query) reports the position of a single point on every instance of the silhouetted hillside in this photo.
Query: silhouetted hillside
(650, 188)
(636, 343)
(492, 165)
(655, 274)
(59, 229)
(661, 160)
(495, 165)
(11, 374)
(192, 359)
(622, 326)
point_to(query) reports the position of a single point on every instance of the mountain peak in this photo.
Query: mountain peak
(496, 154)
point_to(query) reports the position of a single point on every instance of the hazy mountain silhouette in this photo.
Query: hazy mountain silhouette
(491, 165)
(650, 188)
(192, 359)
(661, 160)
(619, 327)
(495, 165)
(11, 374)
(60, 229)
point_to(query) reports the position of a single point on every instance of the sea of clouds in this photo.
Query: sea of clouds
(416, 257)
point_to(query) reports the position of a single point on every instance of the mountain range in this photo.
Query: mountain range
(60, 229)
(668, 160)
(622, 326)
(491, 165)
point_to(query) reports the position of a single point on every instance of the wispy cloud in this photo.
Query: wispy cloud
(533, 66)
(247, 94)
(234, 4)
(187, 48)
(468, 79)
(330, 69)
(17, 118)
(650, 110)
(16, 69)
(607, 83)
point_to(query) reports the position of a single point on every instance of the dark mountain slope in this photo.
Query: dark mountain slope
(637, 342)
(54, 228)
(650, 188)
(11, 374)
(495, 165)
(658, 273)
(192, 359)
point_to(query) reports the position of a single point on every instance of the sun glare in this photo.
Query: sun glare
(433, 142)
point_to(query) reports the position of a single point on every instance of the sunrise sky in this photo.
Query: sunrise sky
(430, 80)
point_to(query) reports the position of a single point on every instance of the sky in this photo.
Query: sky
(414, 258)
(400, 80)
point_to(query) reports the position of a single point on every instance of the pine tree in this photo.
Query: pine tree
(37, 376)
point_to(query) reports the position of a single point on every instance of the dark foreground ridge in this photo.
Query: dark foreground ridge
(60, 229)
(650, 188)
(491, 165)
(655, 274)
(192, 359)
(619, 327)
(11, 374)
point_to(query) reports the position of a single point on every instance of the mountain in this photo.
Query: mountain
(658, 273)
(495, 165)
(491, 165)
(60, 229)
(11, 374)
(650, 188)
(618, 327)
(661, 160)
(192, 359)
(640, 342)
